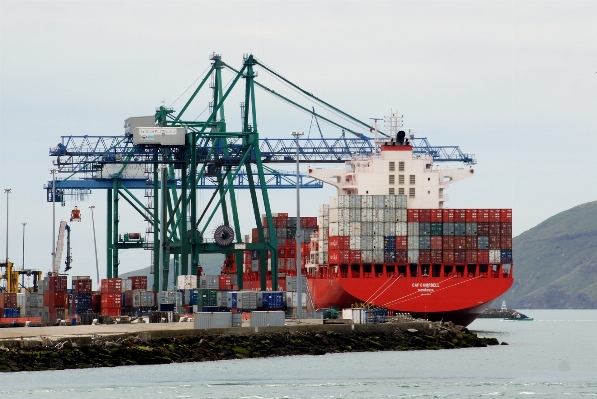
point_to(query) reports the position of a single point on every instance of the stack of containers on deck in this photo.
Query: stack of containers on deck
(170, 301)
(8, 305)
(286, 232)
(364, 229)
(187, 286)
(80, 299)
(111, 297)
(137, 301)
(55, 299)
(34, 303)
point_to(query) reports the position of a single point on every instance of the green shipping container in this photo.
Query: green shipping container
(436, 229)
(207, 297)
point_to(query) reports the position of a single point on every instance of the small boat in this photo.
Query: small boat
(518, 317)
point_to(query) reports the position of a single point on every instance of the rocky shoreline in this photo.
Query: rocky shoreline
(205, 346)
(497, 314)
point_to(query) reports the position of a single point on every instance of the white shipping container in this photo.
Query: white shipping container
(366, 201)
(494, 256)
(389, 215)
(221, 299)
(355, 228)
(333, 230)
(343, 201)
(367, 256)
(366, 228)
(413, 256)
(334, 216)
(355, 242)
(413, 242)
(401, 215)
(413, 228)
(344, 215)
(357, 315)
(186, 282)
(267, 318)
(355, 201)
(334, 202)
(378, 228)
(401, 228)
(344, 228)
(366, 214)
(212, 319)
(378, 201)
(21, 300)
(127, 284)
(389, 228)
(378, 256)
(390, 201)
(354, 215)
(292, 299)
(378, 214)
(401, 202)
(378, 242)
(367, 242)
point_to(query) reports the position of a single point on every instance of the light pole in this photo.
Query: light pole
(92, 207)
(53, 171)
(23, 279)
(7, 191)
(299, 285)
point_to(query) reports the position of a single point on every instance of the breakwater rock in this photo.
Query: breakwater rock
(497, 313)
(203, 345)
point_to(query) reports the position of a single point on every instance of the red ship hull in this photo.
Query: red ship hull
(460, 300)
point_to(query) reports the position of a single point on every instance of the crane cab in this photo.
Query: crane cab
(75, 215)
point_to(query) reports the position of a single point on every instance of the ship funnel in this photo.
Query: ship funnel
(400, 137)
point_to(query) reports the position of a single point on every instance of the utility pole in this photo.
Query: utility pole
(298, 236)
(92, 207)
(7, 191)
(53, 171)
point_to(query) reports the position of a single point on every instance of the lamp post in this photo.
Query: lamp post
(92, 207)
(53, 171)
(23, 279)
(299, 285)
(7, 191)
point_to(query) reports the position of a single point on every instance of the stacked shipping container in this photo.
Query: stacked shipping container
(55, 299)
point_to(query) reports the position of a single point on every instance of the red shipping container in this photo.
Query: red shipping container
(505, 242)
(281, 254)
(459, 215)
(344, 242)
(58, 283)
(402, 256)
(448, 216)
(283, 215)
(8, 300)
(482, 229)
(225, 283)
(448, 256)
(96, 302)
(506, 229)
(305, 248)
(334, 256)
(82, 286)
(494, 242)
(437, 256)
(494, 215)
(412, 215)
(280, 223)
(344, 255)
(334, 242)
(113, 312)
(506, 215)
(472, 215)
(460, 242)
(483, 216)
(494, 229)
(291, 252)
(424, 215)
(437, 242)
(55, 299)
(436, 215)
(471, 242)
(254, 235)
(401, 242)
(483, 256)
(138, 282)
(460, 256)
(471, 256)
(290, 242)
(111, 300)
(354, 256)
(448, 242)
(247, 256)
(425, 256)
(111, 285)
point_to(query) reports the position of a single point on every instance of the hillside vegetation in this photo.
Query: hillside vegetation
(555, 263)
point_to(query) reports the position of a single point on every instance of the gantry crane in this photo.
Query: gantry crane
(210, 158)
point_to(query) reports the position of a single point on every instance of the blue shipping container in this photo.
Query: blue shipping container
(389, 256)
(389, 243)
(167, 307)
(273, 300)
(12, 312)
(506, 256)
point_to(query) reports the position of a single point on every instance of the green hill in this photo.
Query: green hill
(555, 263)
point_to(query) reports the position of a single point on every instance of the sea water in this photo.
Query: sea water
(553, 356)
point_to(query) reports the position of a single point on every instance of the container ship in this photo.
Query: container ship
(387, 240)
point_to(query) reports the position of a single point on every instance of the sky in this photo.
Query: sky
(513, 82)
